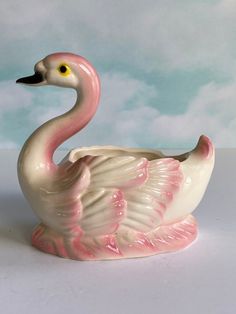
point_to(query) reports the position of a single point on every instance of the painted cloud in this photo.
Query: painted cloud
(168, 69)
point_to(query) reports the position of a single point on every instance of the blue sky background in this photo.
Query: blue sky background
(168, 69)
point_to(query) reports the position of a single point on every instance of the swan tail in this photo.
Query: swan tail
(204, 149)
(196, 167)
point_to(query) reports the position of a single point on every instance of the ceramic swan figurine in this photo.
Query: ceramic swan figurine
(106, 202)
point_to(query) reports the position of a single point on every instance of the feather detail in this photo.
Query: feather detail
(148, 203)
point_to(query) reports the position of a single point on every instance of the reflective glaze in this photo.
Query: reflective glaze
(106, 202)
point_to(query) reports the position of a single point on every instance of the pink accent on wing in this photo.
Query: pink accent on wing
(119, 204)
(169, 168)
(111, 245)
(142, 174)
(143, 241)
(167, 196)
(167, 238)
(204, 147)
(160, 209)
(170, 164)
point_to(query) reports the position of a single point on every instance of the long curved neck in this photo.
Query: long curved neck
(37, 152)
(58, 130)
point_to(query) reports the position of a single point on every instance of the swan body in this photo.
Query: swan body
(106, 202)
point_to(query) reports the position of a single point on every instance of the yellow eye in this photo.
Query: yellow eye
(64, 69)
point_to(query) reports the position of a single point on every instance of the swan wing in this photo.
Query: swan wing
(104, 194)
(126, 192)
(148, 203)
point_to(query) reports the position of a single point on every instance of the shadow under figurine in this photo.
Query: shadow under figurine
(106, 202)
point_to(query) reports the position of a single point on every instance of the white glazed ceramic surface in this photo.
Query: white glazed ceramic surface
(106, 202)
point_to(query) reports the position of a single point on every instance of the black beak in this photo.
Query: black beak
(31, 80)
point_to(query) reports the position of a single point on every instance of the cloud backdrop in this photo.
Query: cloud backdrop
(168, 69)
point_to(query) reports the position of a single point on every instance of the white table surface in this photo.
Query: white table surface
(200, 279)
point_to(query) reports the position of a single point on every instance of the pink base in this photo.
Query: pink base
(167, 238)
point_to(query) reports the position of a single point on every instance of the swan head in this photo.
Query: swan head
(61, 69)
